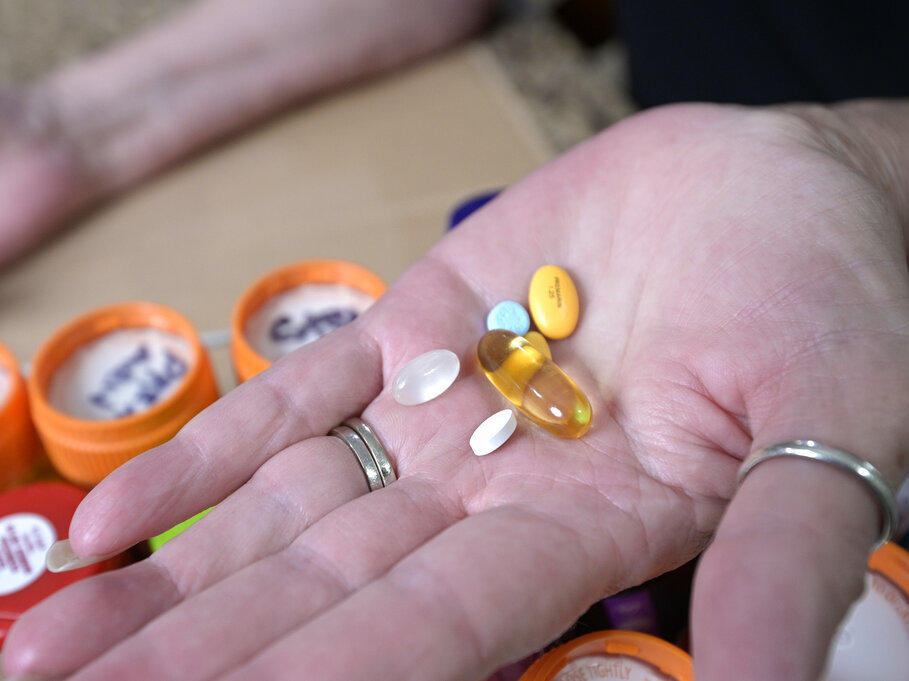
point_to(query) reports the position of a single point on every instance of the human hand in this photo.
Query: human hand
(743, 282)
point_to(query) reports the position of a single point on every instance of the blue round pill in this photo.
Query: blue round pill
(509, 315)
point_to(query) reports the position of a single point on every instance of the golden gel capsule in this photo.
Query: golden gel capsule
(538, 340)
(534, 384)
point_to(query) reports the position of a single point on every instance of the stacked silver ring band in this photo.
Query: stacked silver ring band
(366, 446)
(863, 470)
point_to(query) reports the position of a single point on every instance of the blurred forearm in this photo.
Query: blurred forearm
(222, 64)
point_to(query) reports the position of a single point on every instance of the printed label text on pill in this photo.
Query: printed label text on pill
(555, 291)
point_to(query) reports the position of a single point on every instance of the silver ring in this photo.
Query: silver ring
(361, 451)
(365, 431)
(866, 472)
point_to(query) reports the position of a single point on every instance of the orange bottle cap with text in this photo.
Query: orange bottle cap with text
(613, 655)
(281, 311)
(114, 383)
(19, 446)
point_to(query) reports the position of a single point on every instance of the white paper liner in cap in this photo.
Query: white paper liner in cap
(873, 641)
(301, 315)
(121, 373)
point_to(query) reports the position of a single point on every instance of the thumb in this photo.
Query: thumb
(789, 556)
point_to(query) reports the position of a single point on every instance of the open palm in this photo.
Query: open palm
(741, 285)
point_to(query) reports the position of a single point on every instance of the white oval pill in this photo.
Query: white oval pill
(493, 432)
(425, 377)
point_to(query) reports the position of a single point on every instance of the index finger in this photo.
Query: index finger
(303, 395)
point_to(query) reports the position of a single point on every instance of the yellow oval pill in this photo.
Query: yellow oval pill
(553, 301)
(537, 340)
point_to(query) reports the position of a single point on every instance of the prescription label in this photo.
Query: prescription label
(301, 315)
(6, 385)
(121, 373)
(24, 541)
(596, 667)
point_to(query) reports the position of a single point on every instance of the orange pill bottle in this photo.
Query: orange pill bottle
(294, 305)
(19, 446)
(613, 655)
(114, 383)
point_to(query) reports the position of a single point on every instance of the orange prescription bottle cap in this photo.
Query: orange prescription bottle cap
(873, 640)
(19, 446)
(259, 335)
(31, 519)
(115, 382)
(892, 561)
(613, 655)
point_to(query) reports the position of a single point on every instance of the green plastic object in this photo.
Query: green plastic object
(156, 543)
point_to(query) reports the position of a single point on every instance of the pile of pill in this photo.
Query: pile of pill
(517, 361)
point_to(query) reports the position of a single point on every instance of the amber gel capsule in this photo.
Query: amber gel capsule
(534, 384)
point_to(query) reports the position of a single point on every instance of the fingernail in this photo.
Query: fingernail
(62, 558)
